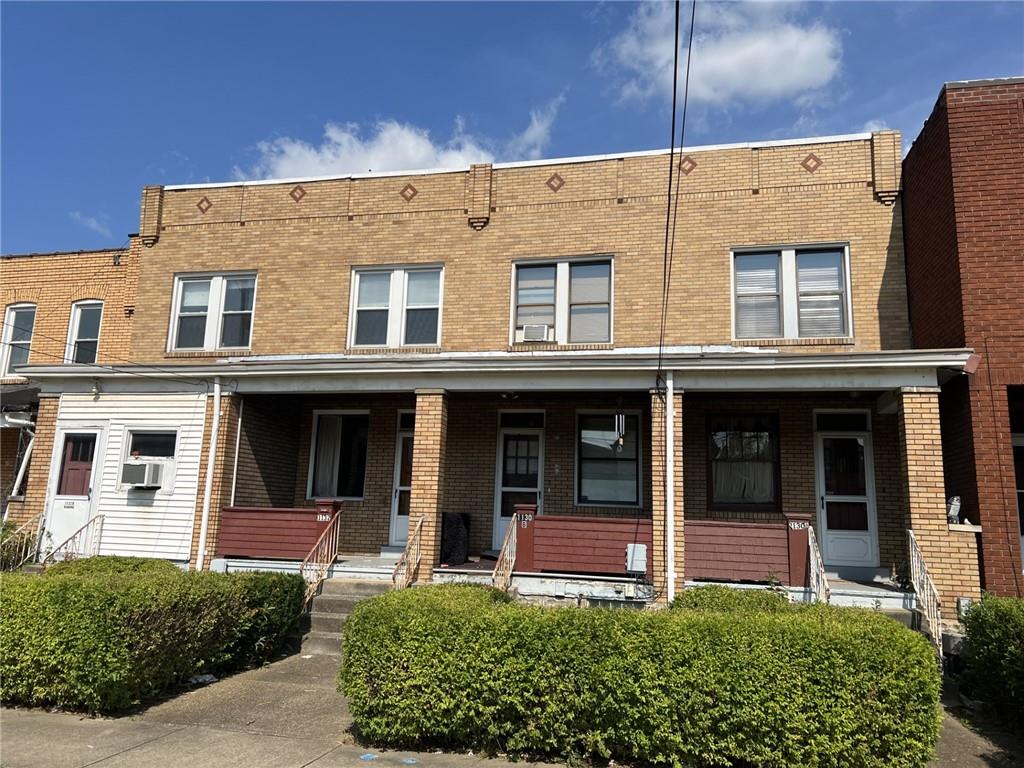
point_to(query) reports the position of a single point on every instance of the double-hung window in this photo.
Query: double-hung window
(19, 322)
(396, 307)
(743, 461)
(566, 302)
(84, 333)
(791, 293)
(337, 467)
(608, 459)
(213, 312)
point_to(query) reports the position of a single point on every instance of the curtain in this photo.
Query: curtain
(744, 481)
(325, 465)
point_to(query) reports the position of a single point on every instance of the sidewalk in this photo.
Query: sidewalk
(285, 715)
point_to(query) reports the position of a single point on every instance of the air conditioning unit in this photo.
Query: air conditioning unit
(142, 474)
(536, 332)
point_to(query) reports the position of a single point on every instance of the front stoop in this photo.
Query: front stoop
(331, 607)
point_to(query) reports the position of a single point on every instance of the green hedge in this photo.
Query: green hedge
(450, 667)
(994, 656)
(722, 599)
(113, 565)
(103, 642)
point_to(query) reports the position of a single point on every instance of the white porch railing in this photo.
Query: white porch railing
(409, 560)
(21, 545)
(818, 581)
(927, 594)
(506, 563)
(85, 542)
(321, 557)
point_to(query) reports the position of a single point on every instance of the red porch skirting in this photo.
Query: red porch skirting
(287, 534)
(733, 551)
(570, 544)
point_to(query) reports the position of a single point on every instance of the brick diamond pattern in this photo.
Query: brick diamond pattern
(811, 163)
(555, 183)
(204, 204)
(297, 193)
(686, 165)
(409, 192)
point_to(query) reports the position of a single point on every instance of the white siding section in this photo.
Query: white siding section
(144, 523)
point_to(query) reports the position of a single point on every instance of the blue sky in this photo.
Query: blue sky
(101, 98)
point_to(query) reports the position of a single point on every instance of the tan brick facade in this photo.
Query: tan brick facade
(34, 500)
(428, 477)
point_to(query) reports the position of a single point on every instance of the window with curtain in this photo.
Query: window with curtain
(743, 464)
(397, 307)
(339, 455)
(608, 459)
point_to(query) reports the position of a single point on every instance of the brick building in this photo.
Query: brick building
(431, 349)
(964, 220)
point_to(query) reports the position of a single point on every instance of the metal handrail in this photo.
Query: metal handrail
(927, 594)
(409, 560)
(321, 557)
(21, 545)
(506, 563)
(820, 590)
(85, 542)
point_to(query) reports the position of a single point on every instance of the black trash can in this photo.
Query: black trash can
(454, 538)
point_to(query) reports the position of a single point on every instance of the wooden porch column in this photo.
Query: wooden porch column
(428, 471)
(951, 555)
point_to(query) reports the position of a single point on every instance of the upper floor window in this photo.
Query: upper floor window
(567, 302)
(84, 332)
(396, 307)
(19, 321)
(213, 312)
(791, 293)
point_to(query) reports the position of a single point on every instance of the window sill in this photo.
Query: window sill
(341, 499)
(819, 341)
(412, 349)
(965, 527)
(548, 346)
(207, 353)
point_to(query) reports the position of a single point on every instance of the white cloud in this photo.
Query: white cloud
(743, 52)
(390, 145)
(99, 224)
(875, 125)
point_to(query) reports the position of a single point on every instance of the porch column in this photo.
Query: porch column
(665, 453)
(428, 470)
(223, 468)
(951, 555)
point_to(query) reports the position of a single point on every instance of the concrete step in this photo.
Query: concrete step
(327, 622)
(322, 643)
(355, 587)
(331, 603)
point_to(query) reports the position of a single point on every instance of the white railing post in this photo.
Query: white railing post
(409, 561)
(926, 593)
(85, 541)
(22, 545)
(321, 557)
(820, 590)
(506, 562)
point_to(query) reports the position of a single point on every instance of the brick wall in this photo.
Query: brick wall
(964, 208)
(9, 438)
(34, 500)
(731, 197)
(267, 450)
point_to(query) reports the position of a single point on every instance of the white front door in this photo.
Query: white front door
(519, 477)
(402, 495)
(73, 498)
(847, 518)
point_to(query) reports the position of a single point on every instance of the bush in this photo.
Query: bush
(103, 642)
(113, 565)
(451, 667)
(994, 656)
(722, 599)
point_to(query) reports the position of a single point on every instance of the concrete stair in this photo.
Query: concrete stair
(331, 607)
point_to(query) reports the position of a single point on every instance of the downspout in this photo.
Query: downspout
(670, 486)
(210, 462)
(238, 442)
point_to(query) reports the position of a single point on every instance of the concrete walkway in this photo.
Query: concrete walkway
(285, 715)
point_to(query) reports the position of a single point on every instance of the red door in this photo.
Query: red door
(76, 465)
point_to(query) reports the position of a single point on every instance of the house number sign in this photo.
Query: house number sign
(322, 517)
(524, 518)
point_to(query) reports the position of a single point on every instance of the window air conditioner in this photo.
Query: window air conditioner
(535, 332)
(141, 474)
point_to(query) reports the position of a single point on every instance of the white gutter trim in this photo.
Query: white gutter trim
(210, 461)
(670, 487)
(530, 163)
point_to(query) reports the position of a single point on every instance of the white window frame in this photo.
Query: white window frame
(8, 331)
(170, 463)
(73, 324)
(397, 299)
(562, 298)
(789, 289)
(639, 458)
(214, 309)
(317, 413)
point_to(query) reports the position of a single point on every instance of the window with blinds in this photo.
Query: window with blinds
(821, 286)
(758, 296)
(565, 302)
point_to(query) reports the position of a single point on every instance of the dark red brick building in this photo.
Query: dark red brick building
(963, 207)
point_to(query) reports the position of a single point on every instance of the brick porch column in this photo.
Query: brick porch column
(428, 465)
(223, 468)
(659, 507)
(951, 556)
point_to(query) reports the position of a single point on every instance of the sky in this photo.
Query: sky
(99, 99)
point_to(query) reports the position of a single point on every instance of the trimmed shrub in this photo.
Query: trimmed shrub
(824, 686)
(994, 656)
(107, 565)
(719, 598)
(105, 642)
